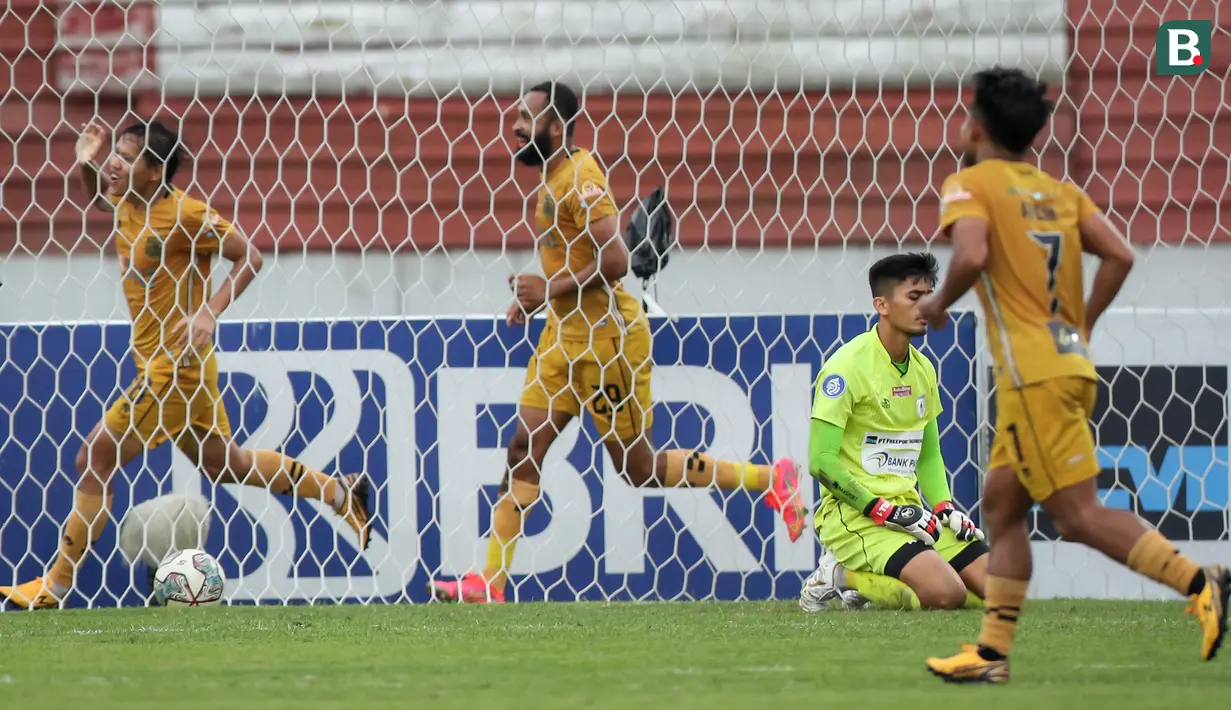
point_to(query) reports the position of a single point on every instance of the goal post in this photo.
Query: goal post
(365, 147)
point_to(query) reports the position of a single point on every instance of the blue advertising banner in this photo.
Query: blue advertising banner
(425, 407)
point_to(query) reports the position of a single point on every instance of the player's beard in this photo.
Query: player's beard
(534, 153)
(968, 158)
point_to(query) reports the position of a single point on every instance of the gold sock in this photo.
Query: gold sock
(1154, 556)
(85, 523)
(283, 474)
(508, 517)
(1002, 606)
(697, 470)
(972, 601)
(883, 591)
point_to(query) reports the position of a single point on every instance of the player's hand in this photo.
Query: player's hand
(90, 142)
(195, 332)
(515, 316)
(930, 311)
(957, 521)
(529, 290)
(910, 519)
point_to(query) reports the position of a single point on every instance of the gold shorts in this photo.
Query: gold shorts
(159, 406)
(1043, 433)
(610, 376)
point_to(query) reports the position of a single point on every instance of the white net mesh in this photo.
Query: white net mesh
(364, 146)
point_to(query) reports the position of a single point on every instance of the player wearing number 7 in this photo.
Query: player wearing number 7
(1018, 237)
(874, 443)
(166, 240)
(593, 353)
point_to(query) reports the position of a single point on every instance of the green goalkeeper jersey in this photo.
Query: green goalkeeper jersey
(883, 411)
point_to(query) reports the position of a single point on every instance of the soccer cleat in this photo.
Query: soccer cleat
(356, 509)
(969, 667)
(1210, 607)
(35, 594)
(471, 589)
(819, 588)
(784, 497)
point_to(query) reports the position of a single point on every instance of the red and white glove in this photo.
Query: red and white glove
(910, 519)
(957, 521)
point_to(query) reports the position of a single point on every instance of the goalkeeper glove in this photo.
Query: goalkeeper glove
(958, 522)
(910, 519)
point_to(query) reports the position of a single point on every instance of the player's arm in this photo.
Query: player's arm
(246, 262)
(215, 235)
(965, 222)
(610, 262)
(1101, 238)
(824, 444)
(934, 484)
(89, 146)
(591, 205)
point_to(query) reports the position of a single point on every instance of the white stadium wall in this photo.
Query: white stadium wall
(799, 141)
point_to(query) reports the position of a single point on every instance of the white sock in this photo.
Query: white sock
(339, 496)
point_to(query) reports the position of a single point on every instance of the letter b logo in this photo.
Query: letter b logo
(1182, 47)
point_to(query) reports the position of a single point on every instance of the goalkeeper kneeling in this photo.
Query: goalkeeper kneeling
(874, 445)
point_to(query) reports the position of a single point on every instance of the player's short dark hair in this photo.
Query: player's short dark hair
(1012, 107)
(159, 146)
(893, 270)
(563, 99)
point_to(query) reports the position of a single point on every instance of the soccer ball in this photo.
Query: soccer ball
(189, 578)
(155, 528)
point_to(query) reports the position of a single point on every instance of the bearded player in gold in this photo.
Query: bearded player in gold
(594, 351)
(166, 241)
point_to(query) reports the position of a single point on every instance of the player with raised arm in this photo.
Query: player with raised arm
(166, 241)
(594, 351)
(1018, 237)
(874, 444)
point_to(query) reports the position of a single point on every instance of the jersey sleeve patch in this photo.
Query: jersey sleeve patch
(833, 386)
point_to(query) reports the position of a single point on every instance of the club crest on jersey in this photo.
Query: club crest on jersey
(903, 391)
(549, 205)
(922, 405)
(833, 386)
(153, 247)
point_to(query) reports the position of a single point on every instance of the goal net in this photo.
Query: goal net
(365, 147)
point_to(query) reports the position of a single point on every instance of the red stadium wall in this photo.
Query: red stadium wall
(411, 176)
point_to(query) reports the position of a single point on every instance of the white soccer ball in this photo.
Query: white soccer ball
(189, 578)
(155, 528)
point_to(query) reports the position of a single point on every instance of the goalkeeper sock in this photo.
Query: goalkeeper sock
(697, 470)
(1003, 605)
(882, 590)
(85, 523)
(1155, 557)
(508, 517)
(972, 601)
(283, 474)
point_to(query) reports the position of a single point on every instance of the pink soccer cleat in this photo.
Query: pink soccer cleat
(784, 497)
(471, 589)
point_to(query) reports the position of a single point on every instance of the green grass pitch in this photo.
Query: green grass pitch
(1070, 654)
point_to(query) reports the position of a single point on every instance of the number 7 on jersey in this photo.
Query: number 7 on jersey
(1051, 242)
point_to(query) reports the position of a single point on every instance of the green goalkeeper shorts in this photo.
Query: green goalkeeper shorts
(863, 546)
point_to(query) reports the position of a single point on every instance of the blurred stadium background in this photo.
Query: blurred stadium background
(363, 145)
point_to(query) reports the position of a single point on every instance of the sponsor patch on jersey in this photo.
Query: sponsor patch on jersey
(953, 194)
(590, 193)
(922, 405)
(892, 453)
(903, 391)
(833, 386)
